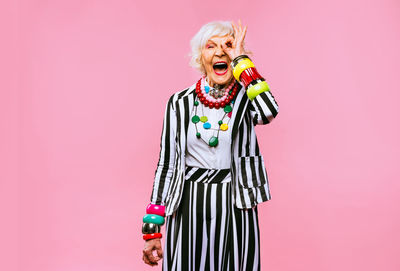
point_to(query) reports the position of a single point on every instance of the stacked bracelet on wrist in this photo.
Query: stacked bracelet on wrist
(152, 221)
(245, 72)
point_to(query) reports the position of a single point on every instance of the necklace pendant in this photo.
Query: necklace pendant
(213, 142)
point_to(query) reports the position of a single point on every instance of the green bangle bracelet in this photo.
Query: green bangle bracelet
(155, 219)
(258, 88)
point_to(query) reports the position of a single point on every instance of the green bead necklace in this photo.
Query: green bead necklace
(213, 141)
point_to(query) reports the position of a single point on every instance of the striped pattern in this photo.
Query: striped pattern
(250, 181)
(207, 232)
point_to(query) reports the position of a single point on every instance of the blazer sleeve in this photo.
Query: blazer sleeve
(263, 108)
(166, 161)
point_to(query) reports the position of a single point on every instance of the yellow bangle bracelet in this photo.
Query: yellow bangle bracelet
(241, 66)
(258, 88)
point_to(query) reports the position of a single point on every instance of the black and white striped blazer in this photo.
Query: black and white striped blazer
(249, 176)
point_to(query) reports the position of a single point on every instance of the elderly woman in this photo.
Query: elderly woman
(210, 174)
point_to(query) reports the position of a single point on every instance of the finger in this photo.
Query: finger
(224, 44)
(151, 257)
(237, 36)
(226, 49)
(160, 252)
(146, 260)
(240, 35)
(243, 34)
(228, 42)
(244, 31)
(150, 261)
(238, 30)
(234, 29)
(240, 26)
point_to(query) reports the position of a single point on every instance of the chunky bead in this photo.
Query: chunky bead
(224, 98)
(196, 103)
(156, 219)
(227, 108)
(152, 236)
(241, 66)
(203, 118)
(155, 209)
(224, 127)
(207, 125)
(235, 61)
(253, 91)
(195, 119)
(220, 122)
(213, 141)
(249, 75)
(198, 135)
(150, 228)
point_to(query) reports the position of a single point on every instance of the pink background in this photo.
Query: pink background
(83, 90)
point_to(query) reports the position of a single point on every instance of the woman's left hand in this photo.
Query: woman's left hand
(234, 47)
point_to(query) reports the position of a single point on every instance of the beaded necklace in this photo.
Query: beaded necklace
(210, 101)
(226, 103)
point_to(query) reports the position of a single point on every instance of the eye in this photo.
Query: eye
(209, 46)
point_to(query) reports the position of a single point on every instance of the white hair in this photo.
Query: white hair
(216, 28)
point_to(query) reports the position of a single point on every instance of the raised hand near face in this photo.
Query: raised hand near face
(234, 47)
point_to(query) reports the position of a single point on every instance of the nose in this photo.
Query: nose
(219, 51)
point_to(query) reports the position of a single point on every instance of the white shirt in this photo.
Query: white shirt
(198, 152)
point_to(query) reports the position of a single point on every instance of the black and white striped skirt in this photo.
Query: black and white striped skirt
(207, 232)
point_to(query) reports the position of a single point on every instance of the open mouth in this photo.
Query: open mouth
(220, 67)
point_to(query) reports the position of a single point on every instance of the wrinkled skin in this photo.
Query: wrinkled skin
(149, 247)
(223, 48)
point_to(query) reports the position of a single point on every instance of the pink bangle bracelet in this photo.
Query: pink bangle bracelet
(155, 209)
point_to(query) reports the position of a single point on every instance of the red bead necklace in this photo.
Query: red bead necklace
(204, 98)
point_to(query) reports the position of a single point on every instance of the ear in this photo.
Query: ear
(201, 62)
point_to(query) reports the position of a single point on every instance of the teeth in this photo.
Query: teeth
(220, 65)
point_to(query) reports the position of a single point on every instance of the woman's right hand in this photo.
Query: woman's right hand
(149, 246)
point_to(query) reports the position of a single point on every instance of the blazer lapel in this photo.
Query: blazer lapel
(188, 104)
(239, 108)
(184, 108)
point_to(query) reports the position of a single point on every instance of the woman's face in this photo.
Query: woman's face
(216, 62)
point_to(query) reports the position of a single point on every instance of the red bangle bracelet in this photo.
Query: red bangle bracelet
(149, 236)
(249, 75)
